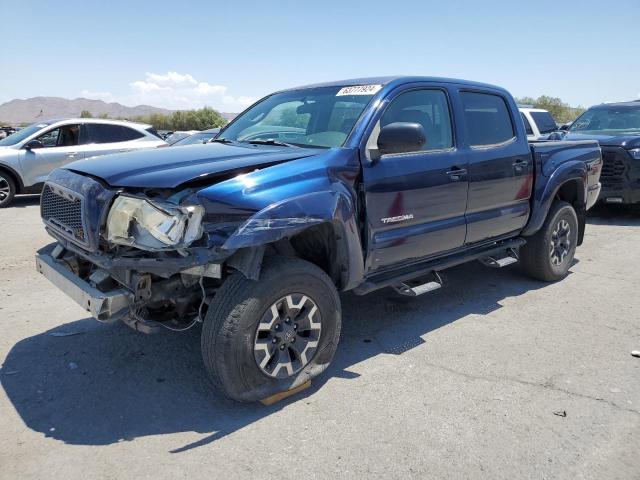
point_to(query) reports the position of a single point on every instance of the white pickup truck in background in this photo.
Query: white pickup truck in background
(538, 123)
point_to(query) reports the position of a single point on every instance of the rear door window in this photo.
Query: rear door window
(487, 119)
(130, 134)
(105, 133)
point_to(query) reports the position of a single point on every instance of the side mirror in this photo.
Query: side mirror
(559, 135)
(401, 137)
(33, 144)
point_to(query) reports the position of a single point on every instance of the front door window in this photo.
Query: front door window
(66, 136)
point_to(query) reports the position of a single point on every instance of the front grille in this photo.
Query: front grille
(62, 210)
(613, 168)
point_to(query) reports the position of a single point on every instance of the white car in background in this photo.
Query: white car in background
(29, 155)
(538, 123)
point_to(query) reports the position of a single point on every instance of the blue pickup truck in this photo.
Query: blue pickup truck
(353, 185)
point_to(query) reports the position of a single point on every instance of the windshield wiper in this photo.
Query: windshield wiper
(270, 141)
(220, 140)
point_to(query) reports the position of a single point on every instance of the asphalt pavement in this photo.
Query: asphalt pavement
(492, 376)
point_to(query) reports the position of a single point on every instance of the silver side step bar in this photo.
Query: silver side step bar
(510, 258)
(410, 290)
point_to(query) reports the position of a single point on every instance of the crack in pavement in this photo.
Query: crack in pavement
(546, 386)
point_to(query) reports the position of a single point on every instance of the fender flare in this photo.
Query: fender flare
(543, 197)
(292, 216)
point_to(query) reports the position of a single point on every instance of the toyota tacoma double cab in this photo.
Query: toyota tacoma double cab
(354, 185)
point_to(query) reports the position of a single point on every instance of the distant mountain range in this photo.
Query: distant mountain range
(43, 108)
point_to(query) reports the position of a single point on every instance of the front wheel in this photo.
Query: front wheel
(266, 337)
(7, 190)
(549, 253)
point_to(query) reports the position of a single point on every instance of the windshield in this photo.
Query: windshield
(608, 121)
(312, 117)
(195, 138)
(544, 121)
(22, 134)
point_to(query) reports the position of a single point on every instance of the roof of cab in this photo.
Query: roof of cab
(397, 80)
(631, 104)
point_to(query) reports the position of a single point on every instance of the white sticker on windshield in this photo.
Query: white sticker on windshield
(359, 90)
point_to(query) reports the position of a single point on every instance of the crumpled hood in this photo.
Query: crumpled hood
(625, 141)
(174, 166)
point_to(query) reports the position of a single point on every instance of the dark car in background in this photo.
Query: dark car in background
(178, 135)
(6, 131)
(616, 126)
(200, 137)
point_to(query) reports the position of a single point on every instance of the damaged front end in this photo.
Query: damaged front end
(143, 257)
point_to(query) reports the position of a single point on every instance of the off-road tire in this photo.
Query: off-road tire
(7, 190)
(536, 256)
(229, 329)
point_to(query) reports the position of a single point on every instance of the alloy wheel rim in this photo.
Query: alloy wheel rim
(5, 189)
(287, 336)
(560, 243)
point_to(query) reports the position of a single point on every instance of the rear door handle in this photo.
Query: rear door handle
(519, 165)
(456, 174)
(72, 154)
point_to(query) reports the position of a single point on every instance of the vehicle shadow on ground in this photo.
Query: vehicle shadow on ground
(108, 384)
(623, 215)
(22, 201)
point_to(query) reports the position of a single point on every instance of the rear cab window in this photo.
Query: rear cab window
(487, 119)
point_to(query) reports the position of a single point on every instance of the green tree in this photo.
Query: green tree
(86, 114)
(558, 109)
(201, 119)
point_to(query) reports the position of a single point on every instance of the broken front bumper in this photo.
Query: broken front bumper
(103, 306)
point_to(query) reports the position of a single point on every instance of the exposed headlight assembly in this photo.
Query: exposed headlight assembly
(635, 153)
(153, 225)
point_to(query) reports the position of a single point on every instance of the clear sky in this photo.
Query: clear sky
(226, 54)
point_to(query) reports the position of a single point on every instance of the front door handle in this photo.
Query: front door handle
(71, 154)
(456, 174)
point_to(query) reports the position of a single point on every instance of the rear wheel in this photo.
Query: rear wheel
(7, 190)
(265, 337)
(549, 253)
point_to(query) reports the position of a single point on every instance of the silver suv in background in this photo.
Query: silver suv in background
(29, 155)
